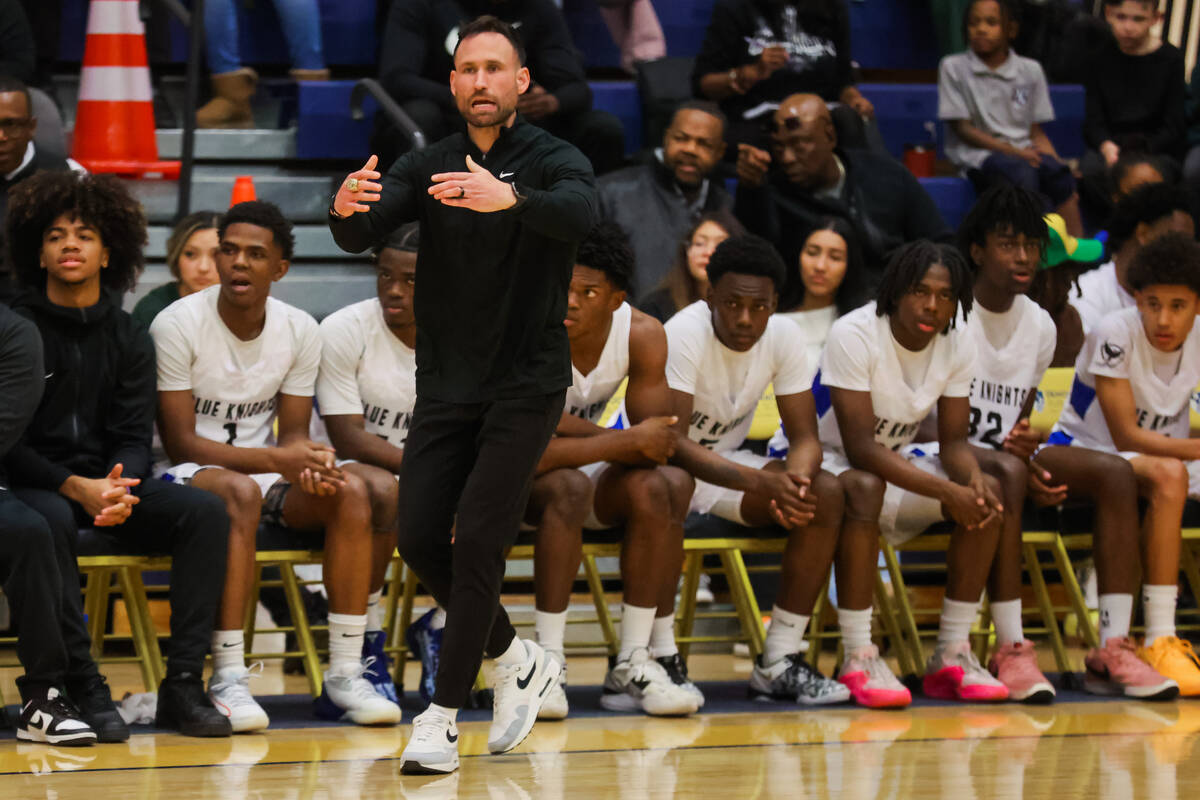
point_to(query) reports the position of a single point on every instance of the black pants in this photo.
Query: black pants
(29, 575)
(190, 525)
(477, 461)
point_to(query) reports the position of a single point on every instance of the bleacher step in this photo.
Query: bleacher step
(302, 198)
(256, 144)
(313, 242)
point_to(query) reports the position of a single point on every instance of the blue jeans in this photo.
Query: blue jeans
(1052, 179)
(301, 24)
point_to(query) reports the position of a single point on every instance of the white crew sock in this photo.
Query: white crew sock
(785, 635)
(662, 637)
(637, 624)
(345, 643)
(551, 629)
(438, 620)
(855, 625)
(449, 713)
(1006, 616)
(228, 650)
(375, 611)
(1158, 607)
(515, 654)
(956, 621)
(1115, 612)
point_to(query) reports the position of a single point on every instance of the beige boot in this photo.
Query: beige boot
(230, 105)
(309, 74)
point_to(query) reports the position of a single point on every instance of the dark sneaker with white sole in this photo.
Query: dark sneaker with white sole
(50, 718)
(792, 678)
(94, 701)
(676, 669)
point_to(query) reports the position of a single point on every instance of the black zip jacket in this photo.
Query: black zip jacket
(491, 296)
(20, 378)
(98, 406)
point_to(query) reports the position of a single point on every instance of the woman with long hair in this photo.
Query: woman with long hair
(687, 281)
(827, 283)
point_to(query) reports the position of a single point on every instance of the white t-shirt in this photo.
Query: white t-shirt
(862, 355)
(366, 370)
(1013, 350)
(589, 394)
(814, 329)
(726, 385)
(1099, 295)
(236, 384)
(1118, 348)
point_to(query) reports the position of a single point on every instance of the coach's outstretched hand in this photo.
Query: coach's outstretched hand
(476, 189)
(359, 189)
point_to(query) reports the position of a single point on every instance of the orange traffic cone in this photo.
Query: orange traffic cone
(243, 190)
(114, 120)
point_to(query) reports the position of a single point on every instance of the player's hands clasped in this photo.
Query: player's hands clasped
(654, 440)
(476, 189)
(793, 504)
(972, 506)
(358, 190)
(308, 464)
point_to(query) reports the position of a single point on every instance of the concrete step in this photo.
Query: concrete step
(302, 198)
(251, 144)
(313, 242)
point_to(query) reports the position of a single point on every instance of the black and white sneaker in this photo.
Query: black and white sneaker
(520, 691)
(676, 669)
(433, 747)
(793, 678)
(51, 719)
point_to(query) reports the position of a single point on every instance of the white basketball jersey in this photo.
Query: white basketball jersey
(366, 370)
(1005, 375)
(235, 384)
(860, 355)
(1118, 348)
(589, 394)
(1099, 294)
(726, 385)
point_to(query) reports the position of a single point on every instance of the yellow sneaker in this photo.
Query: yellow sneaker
(1174, 659)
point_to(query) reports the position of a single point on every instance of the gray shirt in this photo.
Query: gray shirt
(1005, 102)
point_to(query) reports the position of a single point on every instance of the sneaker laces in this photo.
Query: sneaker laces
(1185, 648)
(426, 726)
(359, 687)
(972, 669)
(879, 674)
(237, 691)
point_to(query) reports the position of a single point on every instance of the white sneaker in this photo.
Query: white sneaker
(229, 691)
(639, 683)
(520, 690)
(555, 705)
(353, 698)
(433, 747)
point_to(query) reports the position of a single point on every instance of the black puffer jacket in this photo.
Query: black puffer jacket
(98, 406)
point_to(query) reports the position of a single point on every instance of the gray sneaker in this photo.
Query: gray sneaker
(433, 747)
(793, 678)
(519, 693)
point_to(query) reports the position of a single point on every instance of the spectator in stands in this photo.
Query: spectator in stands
(807, 177)
(826, 283)
(656, 202)
(1057, 279)
(994, 102)
(1135, 96)
(1191, 163)
(17, 50)
(635, 28)
(192, 259)
(28, 569)
(76, 244)
(757, 52)
(1137, 169)
(233, 84)
(421, 35)
(1140, 218)
(687, 280)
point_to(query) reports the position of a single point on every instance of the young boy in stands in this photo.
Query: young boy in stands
(233, 362)
(1004, 236)
(76, 244)
(1133, 385)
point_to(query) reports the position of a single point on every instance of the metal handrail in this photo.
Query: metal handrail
(187, 149)
(389, 106)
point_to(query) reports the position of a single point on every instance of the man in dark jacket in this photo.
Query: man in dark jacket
(782, 195)
(659, 201)
(84, 460)
(502, 209)
(420, 40)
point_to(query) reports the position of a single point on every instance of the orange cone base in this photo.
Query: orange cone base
(167, 170)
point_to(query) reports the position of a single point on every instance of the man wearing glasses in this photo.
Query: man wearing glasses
(806, 177)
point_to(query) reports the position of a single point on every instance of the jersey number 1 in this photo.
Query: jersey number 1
(231, 427)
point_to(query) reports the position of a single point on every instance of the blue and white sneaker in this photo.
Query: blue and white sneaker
(352, 698)
(379, 666)
(426, 644)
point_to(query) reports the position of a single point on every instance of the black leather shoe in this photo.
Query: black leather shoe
(94, 701)
(184, 706)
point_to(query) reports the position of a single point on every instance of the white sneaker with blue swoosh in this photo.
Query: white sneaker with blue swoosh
(520, 691)
(433, 747)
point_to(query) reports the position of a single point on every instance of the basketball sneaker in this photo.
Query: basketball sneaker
(639, 683)
(183, 706)
(1174, 658)
(954, 673)
(520, 691)
(50, 718)
(433, 747)
(352, 698)
(1116, 669)
(91, 696)
(425, 642)
(1015, 665)
(870, 680)
(229, 691)
(793, 678)
(555, 705)
(379, 666)
(676, 669)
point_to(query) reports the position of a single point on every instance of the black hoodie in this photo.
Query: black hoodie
(98, 406)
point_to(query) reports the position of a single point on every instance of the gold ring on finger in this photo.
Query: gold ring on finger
(352, 184)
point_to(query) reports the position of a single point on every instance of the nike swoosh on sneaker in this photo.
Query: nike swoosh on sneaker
(641, 683)
(229, 644)
(524, 682)
(451, 739)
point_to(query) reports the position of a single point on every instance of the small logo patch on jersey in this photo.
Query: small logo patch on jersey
(1111, 354)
